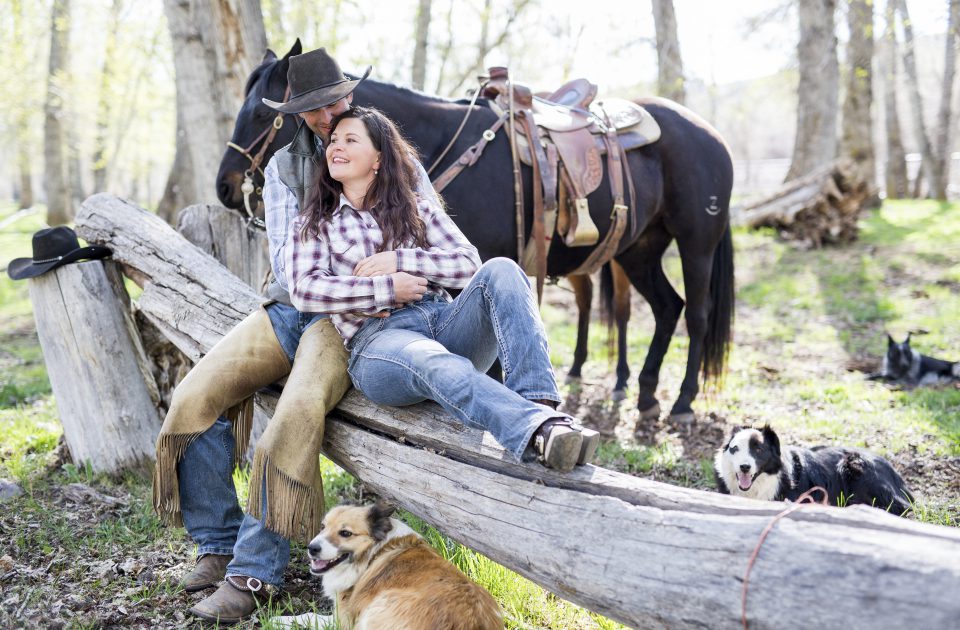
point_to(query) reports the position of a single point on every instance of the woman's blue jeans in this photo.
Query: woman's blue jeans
(440, 351)
(208, 498)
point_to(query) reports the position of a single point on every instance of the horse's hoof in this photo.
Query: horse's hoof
(571, 379)
(687, 418)
(651, 413)
(621, 395)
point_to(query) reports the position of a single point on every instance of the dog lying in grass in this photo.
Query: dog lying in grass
(753, 464)
(382, 574)
(902, 364)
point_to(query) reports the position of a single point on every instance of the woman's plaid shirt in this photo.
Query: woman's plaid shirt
(320, 270)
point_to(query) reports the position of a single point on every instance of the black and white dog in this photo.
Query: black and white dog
(752, 464)
(903, 364)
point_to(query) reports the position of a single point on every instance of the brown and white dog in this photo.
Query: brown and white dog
(382, 574)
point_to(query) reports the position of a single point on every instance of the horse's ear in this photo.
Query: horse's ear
(296, 49)
(268, 56)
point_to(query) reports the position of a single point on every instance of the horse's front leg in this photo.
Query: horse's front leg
(641, 263)
(583, 293)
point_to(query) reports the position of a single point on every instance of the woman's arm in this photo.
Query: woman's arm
(315, 289)
(450, 261)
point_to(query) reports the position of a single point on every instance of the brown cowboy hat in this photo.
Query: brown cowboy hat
(53, 247)
(315, 81)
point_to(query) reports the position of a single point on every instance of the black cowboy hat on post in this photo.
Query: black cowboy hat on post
(315, 81)
(52, 248)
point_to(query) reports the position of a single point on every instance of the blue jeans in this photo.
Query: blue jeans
(440, 351)
(208, 498)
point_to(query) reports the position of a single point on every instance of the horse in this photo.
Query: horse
(683, 184)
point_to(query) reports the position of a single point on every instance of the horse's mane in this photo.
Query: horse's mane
(406, 91)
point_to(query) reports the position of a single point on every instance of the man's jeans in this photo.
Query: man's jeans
(208, 498)
(440, 351)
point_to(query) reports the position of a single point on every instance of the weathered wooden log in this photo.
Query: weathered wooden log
(818, 208)
(187, 294)
(640, 552)
(224, 234)
(106, 396)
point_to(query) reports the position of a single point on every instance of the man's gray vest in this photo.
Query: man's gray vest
(297, 165)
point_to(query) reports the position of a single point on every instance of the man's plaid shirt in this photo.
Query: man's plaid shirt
(320, 271)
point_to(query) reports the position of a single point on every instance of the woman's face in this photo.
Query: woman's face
(351, 156)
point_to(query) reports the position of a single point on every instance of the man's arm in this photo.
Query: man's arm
(281, 208)
(425, 187)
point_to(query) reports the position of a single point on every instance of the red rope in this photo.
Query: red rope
(804, 499)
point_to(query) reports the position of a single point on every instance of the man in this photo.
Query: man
(208, 425)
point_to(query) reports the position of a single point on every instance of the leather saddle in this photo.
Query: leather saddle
(564, 136)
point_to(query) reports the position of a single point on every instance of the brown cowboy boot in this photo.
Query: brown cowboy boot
(590, 439)
(209, 570)
(235, 600)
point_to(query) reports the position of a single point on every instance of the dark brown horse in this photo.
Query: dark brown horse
(683, 183)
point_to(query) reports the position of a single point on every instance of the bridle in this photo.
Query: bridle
(266, 137)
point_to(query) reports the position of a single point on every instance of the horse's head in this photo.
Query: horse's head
(251, 131)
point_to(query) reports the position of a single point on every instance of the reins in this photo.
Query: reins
(266, 137)
(463, 122)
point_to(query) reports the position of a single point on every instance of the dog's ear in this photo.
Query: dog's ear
(770, 438)
(906, 342)
(890, 341)
(379, 517)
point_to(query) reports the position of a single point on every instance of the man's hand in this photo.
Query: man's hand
(407, 288)
(382, 264)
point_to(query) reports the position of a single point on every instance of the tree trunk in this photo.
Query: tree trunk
(667, 556)
(181, 181)
(816, 139)
(670, 80)
(106, 397)
(224, 234)
(420, 39)
(857, 138)
(929, 160)
(216, 44)
(22, 114)
(895, 173)
(74, 160)
(105, 99)
(59, 208)
(25, 198)
(942, 135)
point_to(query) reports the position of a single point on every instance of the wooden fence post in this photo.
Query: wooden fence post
(105, 393)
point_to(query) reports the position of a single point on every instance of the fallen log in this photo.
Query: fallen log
(640, 552)
(818, 208)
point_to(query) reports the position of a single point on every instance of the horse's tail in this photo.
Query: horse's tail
(607, 314)
(716, 345)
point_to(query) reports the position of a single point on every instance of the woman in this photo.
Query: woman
(378, 258)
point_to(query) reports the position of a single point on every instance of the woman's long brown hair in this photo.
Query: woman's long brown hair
(392, 195)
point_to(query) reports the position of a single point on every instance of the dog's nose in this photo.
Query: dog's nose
(745, 467)
(313, 550)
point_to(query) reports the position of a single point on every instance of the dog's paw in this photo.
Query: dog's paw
(308, 621)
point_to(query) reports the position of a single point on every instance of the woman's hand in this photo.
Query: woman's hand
(382, 264)
(407, 288)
